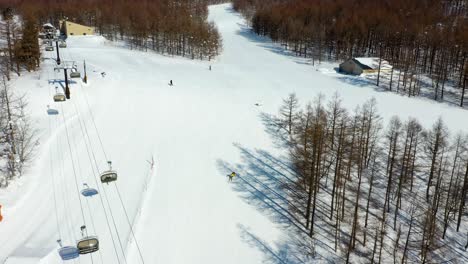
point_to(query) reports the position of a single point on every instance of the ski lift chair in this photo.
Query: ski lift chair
(59, 97)
(49, 48)
(88, 244)
(75, 73)
(67, 252)
(109, 175)
(88, 192)
(62, 44)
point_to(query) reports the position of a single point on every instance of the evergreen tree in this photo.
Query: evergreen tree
(29, 49)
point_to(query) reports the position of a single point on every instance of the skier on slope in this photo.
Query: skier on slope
(170, 83)
(231, 176)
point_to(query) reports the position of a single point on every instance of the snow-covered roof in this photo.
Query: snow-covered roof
(48, 25)
(373, 63)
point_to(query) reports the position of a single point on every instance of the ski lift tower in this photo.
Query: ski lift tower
(56, 40)
(65, 66)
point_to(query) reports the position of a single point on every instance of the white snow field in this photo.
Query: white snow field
(184, 210)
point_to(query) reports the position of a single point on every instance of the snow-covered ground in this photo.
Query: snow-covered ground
(184, 210)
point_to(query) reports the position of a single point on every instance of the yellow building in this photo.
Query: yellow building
(74, 29)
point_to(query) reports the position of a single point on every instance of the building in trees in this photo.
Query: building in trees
(70, 29)
(47, 31)
(358, 66)
(144, 25)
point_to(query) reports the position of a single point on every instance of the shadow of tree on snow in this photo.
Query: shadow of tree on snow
(264, 181)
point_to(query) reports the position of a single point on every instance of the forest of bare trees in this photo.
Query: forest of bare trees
(19, 51)
(419, 38)
(18, 137)
(375, 192)
(168, 27)
(19, 46)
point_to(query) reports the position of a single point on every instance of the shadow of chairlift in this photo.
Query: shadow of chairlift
(109, 175)
(88, 191)
(88, 244)
(51, 111)
(67, 252)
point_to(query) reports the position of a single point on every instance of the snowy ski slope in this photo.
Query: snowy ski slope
(183, 210)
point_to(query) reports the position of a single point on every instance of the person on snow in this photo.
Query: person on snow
(170, 83)
(231, 176)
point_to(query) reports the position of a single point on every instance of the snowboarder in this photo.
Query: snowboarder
(103, 74)
(210, 67)
(170, 83)
(231, 176)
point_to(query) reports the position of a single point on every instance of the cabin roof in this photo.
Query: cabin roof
(372, 63)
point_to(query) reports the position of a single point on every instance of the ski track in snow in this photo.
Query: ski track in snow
(190, 214)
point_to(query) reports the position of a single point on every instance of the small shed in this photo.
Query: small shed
(73, 29)
(358, 66)
(48, 31)
(48, 27)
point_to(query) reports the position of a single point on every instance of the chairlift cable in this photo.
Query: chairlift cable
(115, 226)
(64, 193)
(105, 155)
(74, 173)
(94, 228)
(82, 123)
(91, 114)
(129, 224)
(52, 172)
(107, 220)
(94, 122)
(61, 166)
(102, 203)
(120, 198)
(105, 193)
(80, 172)
(53, 182)
(65, 197)
(60, 171)
(88, 141)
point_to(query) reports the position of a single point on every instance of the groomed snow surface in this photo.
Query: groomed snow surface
(183, 210)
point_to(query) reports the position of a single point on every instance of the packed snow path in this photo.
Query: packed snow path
(189, 213)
